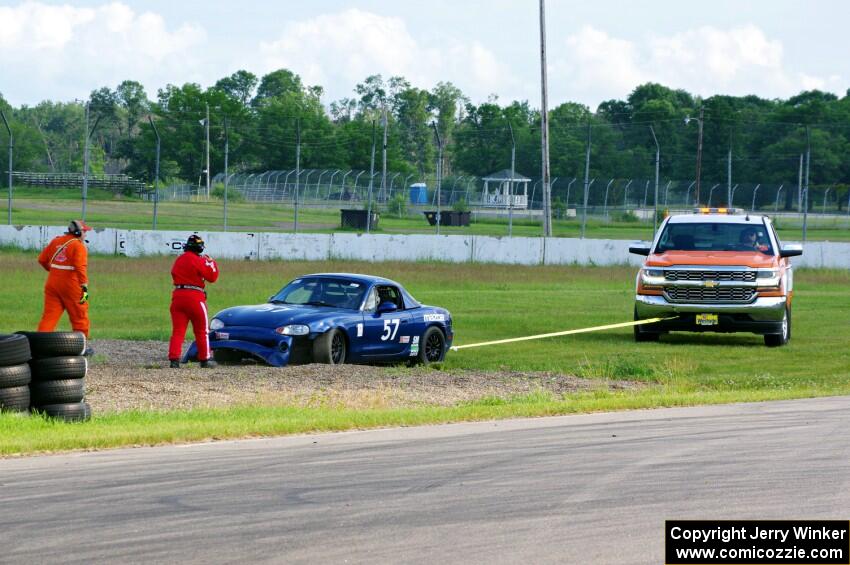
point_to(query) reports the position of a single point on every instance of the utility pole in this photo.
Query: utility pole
(586, 180)
(657, 166)
(297, 169)
(156, 174)
(439, 171)
(226, 155)
(511, 183)
(207, 123)
(544, 129)
(383, 197)
(371, 183)
(11, 146)
(729, 173)
(86, 160)
(806, 187)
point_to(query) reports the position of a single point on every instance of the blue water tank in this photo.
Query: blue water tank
(418, 193)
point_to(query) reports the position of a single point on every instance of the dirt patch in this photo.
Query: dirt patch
(134, 375)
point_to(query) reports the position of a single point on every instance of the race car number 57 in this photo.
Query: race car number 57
(390, 329)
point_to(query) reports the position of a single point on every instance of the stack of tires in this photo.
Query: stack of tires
(14, 373)
(58, 372)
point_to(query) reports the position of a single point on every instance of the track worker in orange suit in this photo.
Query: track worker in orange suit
(190, 273)
(67, 288)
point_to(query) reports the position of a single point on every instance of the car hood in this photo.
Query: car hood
(276, 315)
(755, 260)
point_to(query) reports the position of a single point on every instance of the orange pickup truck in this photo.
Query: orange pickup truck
(716, 271)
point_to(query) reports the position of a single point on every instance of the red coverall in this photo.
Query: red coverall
(189, 304)
(66, 260)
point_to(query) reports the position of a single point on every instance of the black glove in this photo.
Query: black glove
(84, 299)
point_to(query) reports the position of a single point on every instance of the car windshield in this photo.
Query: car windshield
(711, 236)
(322, 291)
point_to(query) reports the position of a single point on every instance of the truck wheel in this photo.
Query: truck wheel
(780, 339)
(330, 348)
(643, 335)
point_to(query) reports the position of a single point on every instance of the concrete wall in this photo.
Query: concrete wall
(381, 247)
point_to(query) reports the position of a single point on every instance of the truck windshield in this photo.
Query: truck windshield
(710, 236)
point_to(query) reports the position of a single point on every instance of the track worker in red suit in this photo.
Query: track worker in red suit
(190, 273)
(67, 288)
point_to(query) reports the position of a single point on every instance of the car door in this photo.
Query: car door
(384, 334)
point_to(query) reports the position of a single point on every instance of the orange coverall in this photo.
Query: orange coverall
(65, 259)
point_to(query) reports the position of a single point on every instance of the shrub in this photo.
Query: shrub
(629, 217)
(460, 205)
(397, 206)
(559, 208)
(232, 195)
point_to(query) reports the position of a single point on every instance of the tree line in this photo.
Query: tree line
(765, 136)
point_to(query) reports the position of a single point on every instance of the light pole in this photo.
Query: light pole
(11, 145)
(544, 126)
(699, 150)
(657, 164)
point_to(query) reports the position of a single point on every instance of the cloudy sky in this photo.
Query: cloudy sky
(597, 50)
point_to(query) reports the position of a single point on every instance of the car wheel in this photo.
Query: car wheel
(432, 346)
(228, 356)
(643, 335)
(780, 339)
(330, 348)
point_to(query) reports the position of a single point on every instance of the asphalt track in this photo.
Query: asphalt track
(577, 489)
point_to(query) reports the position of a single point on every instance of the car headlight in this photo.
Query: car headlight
(216, 324)
(293, 329)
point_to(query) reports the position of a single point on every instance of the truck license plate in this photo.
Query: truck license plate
(707, 319)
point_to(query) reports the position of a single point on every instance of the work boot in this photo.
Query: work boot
(89, 351)
(175, 364)
(208, 364)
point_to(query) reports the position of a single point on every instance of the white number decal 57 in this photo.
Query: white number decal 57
(390, 329)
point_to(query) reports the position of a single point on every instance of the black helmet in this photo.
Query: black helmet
(195, 244)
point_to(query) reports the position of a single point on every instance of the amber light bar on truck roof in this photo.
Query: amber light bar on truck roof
(716, 210)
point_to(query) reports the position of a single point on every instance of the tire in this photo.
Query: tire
(57, 368)
(330, 348)
(55, 344)
(642, 335)
(14, 350)
(228, 356)
(70, 412)
(62, 391)
(432, 346)
(15, 399)
(15, 375)
(780, 339)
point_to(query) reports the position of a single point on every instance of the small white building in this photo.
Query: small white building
(506, 193)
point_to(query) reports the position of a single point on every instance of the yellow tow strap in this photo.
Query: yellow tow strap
(567, 332)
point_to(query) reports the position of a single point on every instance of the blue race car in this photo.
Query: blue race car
(332, 318)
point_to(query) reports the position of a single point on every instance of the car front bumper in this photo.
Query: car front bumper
(261, 343)
(762, 316)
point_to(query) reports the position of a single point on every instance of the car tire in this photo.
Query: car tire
(56, 368)
(55, 344)
(15, 375)
(15, 398)
(780, 339)
(14, 350)
(432, 346)
(330, 348)
(641, 335)
(63, 391)
(69, 412)
(228, 356)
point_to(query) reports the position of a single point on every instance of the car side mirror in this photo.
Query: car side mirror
(640, 249)
(791, 250)
(386, 307)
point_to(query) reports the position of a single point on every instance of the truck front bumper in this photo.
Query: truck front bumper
(762, 316)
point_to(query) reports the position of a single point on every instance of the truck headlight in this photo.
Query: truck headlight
(767, 274)
(652, 279)
(653, 272)
(293, 329)
(216, 324)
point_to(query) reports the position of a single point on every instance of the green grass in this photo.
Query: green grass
(103, 209)
(130, 297)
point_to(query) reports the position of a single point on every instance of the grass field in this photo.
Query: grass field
(104, 210)
(130, 297)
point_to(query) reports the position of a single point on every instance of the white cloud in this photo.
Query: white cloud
(341, 49)
(61, 51)
(705, 61)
